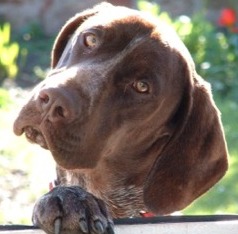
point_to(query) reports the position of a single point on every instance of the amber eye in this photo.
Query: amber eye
(141, 86)
(90, 40)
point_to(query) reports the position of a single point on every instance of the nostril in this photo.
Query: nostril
(44, 97)
(56, 105)
(59, 111)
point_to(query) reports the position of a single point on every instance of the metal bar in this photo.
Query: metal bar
(223, 224)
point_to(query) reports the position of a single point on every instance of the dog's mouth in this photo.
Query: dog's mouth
(35, 136)
(69, 144)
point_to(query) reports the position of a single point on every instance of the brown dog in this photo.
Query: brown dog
(127, 119)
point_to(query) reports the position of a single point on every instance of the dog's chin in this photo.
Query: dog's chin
(35, 136)
(69, 157)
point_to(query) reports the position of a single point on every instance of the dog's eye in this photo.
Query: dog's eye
(90, 40)
(141, 86)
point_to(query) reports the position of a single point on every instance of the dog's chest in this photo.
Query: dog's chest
(123, 200)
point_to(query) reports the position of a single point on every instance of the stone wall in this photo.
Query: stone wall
(51, 14)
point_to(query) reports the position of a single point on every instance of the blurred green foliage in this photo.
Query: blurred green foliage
(215, 52)
(35, 57)
(8, 53)
(5, 99)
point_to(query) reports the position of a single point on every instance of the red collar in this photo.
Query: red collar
(146, 214)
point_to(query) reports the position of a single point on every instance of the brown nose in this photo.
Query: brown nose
(57, 104)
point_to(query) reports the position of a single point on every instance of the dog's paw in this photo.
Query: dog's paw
(72, 210)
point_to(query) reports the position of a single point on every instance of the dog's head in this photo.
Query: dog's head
(124, 87)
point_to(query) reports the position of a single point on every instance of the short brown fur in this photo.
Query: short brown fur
(155, 151)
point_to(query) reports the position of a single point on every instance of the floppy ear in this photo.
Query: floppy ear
(68, 29)
(195, 157)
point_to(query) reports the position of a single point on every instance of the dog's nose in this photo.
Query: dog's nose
(57, 104)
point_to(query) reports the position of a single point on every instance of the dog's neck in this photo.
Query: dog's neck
(123, 196)
(117, 180)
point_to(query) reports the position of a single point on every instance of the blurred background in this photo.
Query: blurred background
(27, 31)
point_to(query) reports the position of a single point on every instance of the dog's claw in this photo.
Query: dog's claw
(110, 228)
(57, 225)
(83, 225)
(98, 226)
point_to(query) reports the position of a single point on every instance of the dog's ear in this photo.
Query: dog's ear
(69, 28)
(194, 158)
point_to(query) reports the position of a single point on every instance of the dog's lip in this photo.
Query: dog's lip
(35, 135)
(32, 133)
(17, 128)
